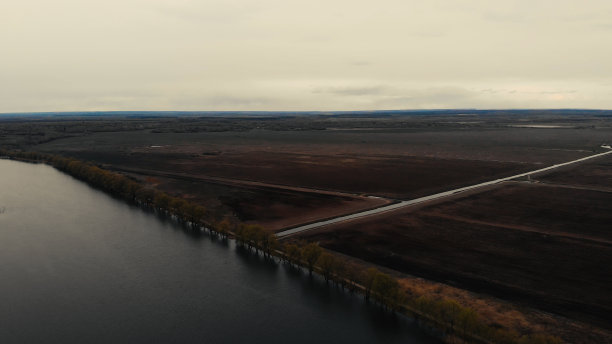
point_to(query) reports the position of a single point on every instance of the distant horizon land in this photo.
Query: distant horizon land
(189, 113)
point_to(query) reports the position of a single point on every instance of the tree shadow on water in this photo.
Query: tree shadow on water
(256, 260)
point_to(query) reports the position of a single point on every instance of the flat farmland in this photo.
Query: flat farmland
(505, 144)
(331, 185)
(349, 164)
(546, 246)
(274, 208)
(542, 242)
(400, 164)
(389, 176)
(595, 174)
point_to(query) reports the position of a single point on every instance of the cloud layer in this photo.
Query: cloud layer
(303, 55)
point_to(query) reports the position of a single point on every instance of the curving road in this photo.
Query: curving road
(428, 198)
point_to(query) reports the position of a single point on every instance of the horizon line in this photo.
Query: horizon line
(76, 112)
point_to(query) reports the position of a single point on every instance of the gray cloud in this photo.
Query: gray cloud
(235, 101)
(351, 90)
(276, 55)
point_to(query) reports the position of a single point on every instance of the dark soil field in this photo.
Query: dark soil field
(546, 246)
(399, 163)
(594, 174)
(390, 176)
(576, 213)
(273, 208)
(514, 145)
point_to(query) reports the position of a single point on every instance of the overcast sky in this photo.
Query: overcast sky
(75, 55)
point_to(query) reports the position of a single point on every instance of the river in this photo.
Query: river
(78, 266)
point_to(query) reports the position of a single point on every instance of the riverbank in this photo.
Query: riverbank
(80, 266)
(453, 320)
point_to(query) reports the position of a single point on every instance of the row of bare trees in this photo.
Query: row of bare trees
(460, 324)
(464, 322)
(376, 285)
(257, 238)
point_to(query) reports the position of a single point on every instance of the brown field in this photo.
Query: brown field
(280, 189)
(594, 174)
(272, 207)
(514, 145)
(545, 246)
(388, 176)
(396, 164)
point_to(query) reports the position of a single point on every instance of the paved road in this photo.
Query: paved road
(427, 198)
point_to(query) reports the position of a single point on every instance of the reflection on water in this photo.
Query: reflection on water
(79, 266)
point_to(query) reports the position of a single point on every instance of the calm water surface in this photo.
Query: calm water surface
(79, 266)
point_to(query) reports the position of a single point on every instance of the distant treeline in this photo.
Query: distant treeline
(458, 323)
(157, 114)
